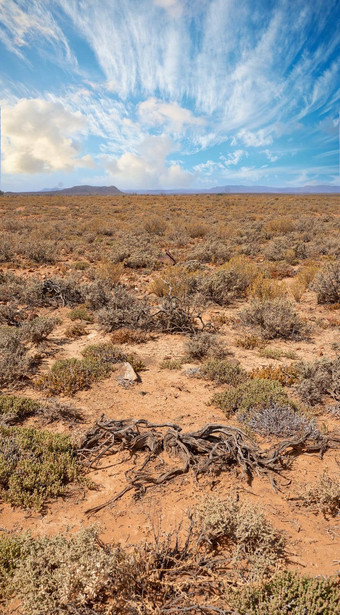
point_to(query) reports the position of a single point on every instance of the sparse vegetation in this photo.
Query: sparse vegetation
(275, 318)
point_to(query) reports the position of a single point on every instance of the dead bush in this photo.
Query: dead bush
(53, 291)
(327, 283)
(275, 318)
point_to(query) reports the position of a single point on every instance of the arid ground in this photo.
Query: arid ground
(227, 309)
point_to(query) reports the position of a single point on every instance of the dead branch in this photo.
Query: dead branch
(213, 449)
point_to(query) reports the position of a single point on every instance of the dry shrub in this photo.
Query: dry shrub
(197, 230)
(97, 294)
(38, 329)
(327, 283)
(155, 225)
(229, 281)
(172, 364)
(67, 376)
(276, 250)
(81, 313)
(249, 342)
(128, 336)
(278, 354)
(203, 345)
(279, 226)
(74, 331)
(324, 495)
(287, 375)
(53, 291)
(319, 379)
(210, 252)
(109, 272)
(279, 421)
(6, 249)
(15, 364)
(40, 251)
(176, 280)
(276, 318)
(124, 310)
(264, 288)
(243, 528)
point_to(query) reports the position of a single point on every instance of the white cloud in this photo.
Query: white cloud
(148, 167)
(22, 22)
(174, 7)
(38, 137)
(271, 157)
(155, 112)
(253, 139)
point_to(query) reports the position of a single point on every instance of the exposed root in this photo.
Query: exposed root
(214, 449)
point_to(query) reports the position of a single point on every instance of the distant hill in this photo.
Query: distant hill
(320, 189)
(87, 190)
(78, 191)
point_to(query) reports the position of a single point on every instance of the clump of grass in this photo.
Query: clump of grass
(264, 288)
(275, 318)
(288, 592)
(278, 354)
(34, 466)
(251, 395)
(172, 364)
(68, 376)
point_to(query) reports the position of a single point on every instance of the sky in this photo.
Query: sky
(169, 94)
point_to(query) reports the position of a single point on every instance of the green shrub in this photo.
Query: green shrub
(250, 396)
(222, 372)
(68, 376)
(15, 409)
(34, 466)
(288, 592)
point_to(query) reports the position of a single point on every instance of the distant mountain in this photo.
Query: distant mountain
(240, 189)
(320, 189)
(77, 191)
(87, 191)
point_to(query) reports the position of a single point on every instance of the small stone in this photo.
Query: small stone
(126, 373)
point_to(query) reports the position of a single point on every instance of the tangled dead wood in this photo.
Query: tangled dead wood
(214, 449)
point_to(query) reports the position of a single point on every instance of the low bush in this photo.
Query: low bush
(15, 364)
(324, 495)
(16, 409)
(68, 376)
(243, 528)
(124, 310)
(34, 466)
(250, 396)
(81, 313)
(287, 375)
(249, 342)
(172, 364)
(277, 420)
(264, 288)
(128, 336)
(327, 283)
(38, 329)
(278, 354)
(319, 379)
(229, 281)
(275, 318)
(203, 345)
(222, 372)
(288, 592)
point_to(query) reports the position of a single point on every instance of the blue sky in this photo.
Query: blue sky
(169, 93)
